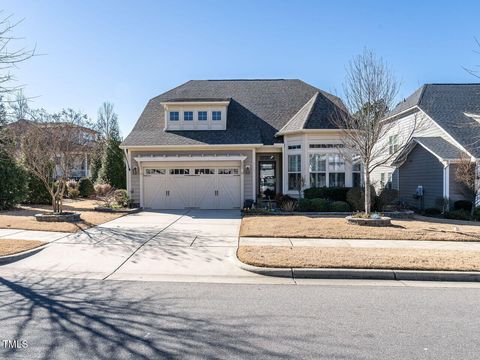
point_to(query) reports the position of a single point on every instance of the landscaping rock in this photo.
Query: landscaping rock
(383, 221)
(63, 217)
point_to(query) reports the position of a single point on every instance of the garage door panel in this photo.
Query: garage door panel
(228, 191)
(205, 192)
(155, 192)
(180, 189)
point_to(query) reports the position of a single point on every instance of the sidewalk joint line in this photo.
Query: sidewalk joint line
(142, 244)
(195, 238)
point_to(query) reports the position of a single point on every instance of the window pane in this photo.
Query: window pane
(293, 181)
(188, 115)
(356, 167)
(294, 163)
(173, 115)
(317, 162)
(356, 179)
(336, 179)
(202, 115)
(216, 115)
(336, 163)
(318, 180)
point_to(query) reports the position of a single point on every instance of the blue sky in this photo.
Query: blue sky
(130, 51)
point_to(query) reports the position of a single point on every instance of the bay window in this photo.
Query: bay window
(336, 171)
(318, 170)
(294, 171)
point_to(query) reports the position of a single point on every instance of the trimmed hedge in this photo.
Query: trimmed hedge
(458, 215)
(329, 193)
(37, 192)
(339, 206)
(463, 205)
(85, 186)
(356, 198)
(387, 197)
(320, 205)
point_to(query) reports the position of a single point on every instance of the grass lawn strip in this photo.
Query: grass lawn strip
(10, 247)
(23, 217)
(335, 227)
(359, 258)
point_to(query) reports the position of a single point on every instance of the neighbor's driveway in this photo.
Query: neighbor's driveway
(175, 245)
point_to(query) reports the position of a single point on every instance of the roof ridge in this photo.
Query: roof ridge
(314, 98)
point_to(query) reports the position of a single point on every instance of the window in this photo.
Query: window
(174, 116)
(204, 171)
(326, 146)
(389, 180)
(356, 175)
(202, 115)
(187, 115)
(336, 171)
(216, 115)
(382, 180)
(294, 147)
(392, 144)
(155, 171)
(318, 170)
(227, 171)
(294, 171)
(179, 171)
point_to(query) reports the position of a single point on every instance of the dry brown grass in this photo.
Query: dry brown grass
(9, 247)
(419, 228)
(359, 258)
(23, 217)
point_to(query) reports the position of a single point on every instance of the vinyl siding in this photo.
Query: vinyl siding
(456, 189)
(421, 168)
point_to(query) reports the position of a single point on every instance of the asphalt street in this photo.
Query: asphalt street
(46, 318)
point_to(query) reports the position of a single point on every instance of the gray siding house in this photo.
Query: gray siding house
(450, 134)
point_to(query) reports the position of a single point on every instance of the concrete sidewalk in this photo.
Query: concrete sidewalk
(18, 234)
(397, 244)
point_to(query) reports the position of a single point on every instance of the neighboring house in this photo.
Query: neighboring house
(213, 144)
(449, 132)
(81, 166)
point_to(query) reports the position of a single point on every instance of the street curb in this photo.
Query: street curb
(365, 274)
(7, 259)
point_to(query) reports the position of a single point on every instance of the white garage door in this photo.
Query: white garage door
(198, 187)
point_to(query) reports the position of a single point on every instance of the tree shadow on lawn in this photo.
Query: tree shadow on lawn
(70, 318)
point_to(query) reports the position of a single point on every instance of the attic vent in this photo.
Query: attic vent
(475, 117)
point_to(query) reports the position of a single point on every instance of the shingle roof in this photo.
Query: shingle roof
(447, 105)
(440, 147)
(258, 109)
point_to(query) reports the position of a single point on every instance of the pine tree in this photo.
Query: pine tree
(113, 170)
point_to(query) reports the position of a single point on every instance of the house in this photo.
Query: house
(213, 144)
(424, 172)
(80, 166)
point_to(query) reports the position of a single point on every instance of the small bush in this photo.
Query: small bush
(73, 193)
(432, 211)
(289, 205)
(457, 215)
(37, 192)
(280, 199)
(13, 182)
(339, 206)
(102, 189)
(356, 198)
(463, 205)
(329, 193)
(476, 214)
(86, 188)
(121, 197)
(304, 205)
(72, 184)
(320, 205)
(387, 197)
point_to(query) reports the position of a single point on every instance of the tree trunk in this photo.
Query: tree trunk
(367, 193)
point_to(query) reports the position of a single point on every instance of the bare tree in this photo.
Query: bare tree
(370, 90)
(10, 55)
(49, 149)
(107, 122)
(465, 174)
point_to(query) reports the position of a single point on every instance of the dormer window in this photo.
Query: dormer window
(188, 116)
(202, 116)
(174, 116)
(216, 115)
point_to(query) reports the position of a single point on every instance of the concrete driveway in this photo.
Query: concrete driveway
(190, 245)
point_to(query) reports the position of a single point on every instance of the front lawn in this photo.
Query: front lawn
(23, 217)
(359, 258)
(335, 227)
(9, 247)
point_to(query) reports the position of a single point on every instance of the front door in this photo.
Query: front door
(268, 180)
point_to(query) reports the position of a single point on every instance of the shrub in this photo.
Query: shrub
(356, 198)
(340, 206)
(280, 199)
(37, 192)
(13, 182)
(72, 184)
(387, 197)
(476, 214)
(329, 193)
(121, 197)
(73, 193)
(113, 169)
(102, 189)
(85, 186)
(458, 215)
(320, 205)
(463, 205)
(304, 204)
(432, 211)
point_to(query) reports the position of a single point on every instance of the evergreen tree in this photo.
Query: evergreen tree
(113, 170)
(13, 181)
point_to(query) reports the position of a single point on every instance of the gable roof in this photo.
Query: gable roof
(450, 105)
(438, 146)
(258, 109)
